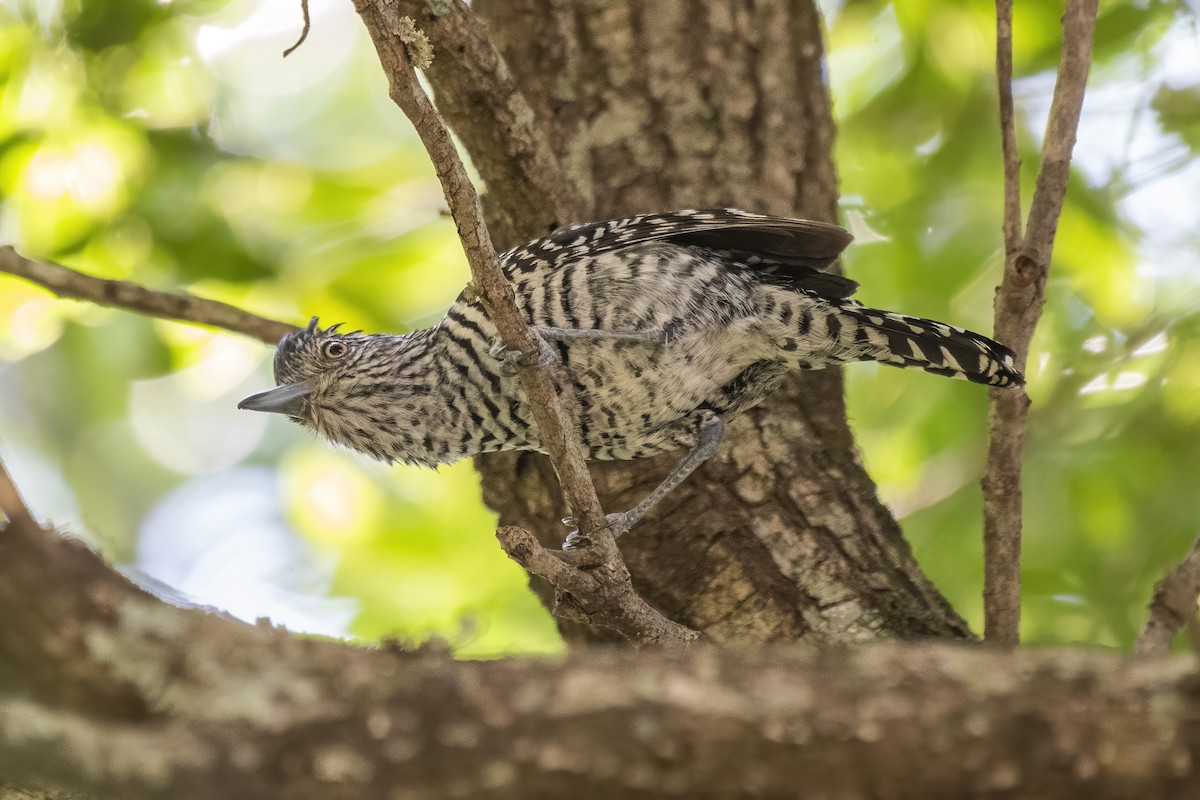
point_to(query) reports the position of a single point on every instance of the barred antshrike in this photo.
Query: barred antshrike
(665, 325)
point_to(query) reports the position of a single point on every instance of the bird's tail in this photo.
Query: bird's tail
(932, 346)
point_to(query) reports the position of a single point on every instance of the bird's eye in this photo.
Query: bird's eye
(335, 349)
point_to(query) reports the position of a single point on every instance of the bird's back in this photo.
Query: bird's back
(725, 303)
(637, 398)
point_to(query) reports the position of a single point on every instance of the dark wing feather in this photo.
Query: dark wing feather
(794, 250)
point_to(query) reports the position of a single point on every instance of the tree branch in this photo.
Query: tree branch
(385, 24)
(1008, 128)
(1019, 304)
(212, 707)
(555, 421)
(1173, 605)
(180, 307)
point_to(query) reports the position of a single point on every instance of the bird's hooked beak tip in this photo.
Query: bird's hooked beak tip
(287, 399)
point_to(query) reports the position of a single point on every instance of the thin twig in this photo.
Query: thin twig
(1173, 606)
(68, 283)
(390, 30)
(1008, 127)
(494, 290)
(1019, 304)
(304, 32)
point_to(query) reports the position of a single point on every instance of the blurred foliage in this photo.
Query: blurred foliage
(1113, 453)
(167, 143)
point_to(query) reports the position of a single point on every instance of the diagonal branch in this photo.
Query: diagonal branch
(303, 31)
(386, 26)
(393, 35)
(1020, 299)
(1008, 127)
(1173, 606)
(180, 307)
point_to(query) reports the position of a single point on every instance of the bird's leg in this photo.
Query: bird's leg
(570, 334)
(708, 439)
(513, 359)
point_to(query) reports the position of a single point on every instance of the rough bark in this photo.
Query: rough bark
(670, 105)
(180, 703)
(68, 283)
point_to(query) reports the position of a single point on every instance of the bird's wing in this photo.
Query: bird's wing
(793, 250)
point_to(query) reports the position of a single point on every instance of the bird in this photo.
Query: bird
(661, 328)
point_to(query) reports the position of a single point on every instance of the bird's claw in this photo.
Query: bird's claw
(617, 523)
(512, 361)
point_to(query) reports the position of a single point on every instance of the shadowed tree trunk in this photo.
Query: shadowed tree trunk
(674, 105)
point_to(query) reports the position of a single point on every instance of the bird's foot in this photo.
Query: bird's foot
(617, 523)
(513, 361)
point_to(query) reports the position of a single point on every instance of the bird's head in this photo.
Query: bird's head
(344, 386)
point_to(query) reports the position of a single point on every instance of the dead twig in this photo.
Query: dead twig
(1020, 298)
(489, 282)
(179, 307)
(393, 35)
(303, 32)
(1008, 127)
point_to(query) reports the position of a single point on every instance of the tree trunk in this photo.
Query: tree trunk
(674, 104)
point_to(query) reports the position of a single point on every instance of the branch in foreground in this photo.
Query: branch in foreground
(199, 705)
(390, 31)
(1019, 304)
(1008, 127)
(303, 31)
(74, 285)
(1173, 606)
(385, 25)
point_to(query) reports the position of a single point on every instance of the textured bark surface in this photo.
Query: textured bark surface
(677, 104)
(180, 703)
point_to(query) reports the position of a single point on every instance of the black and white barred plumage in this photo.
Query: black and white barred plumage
(665, 326)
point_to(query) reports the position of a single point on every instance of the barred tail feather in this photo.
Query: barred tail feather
(933, 346)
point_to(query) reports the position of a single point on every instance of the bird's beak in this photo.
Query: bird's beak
(287, 399)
